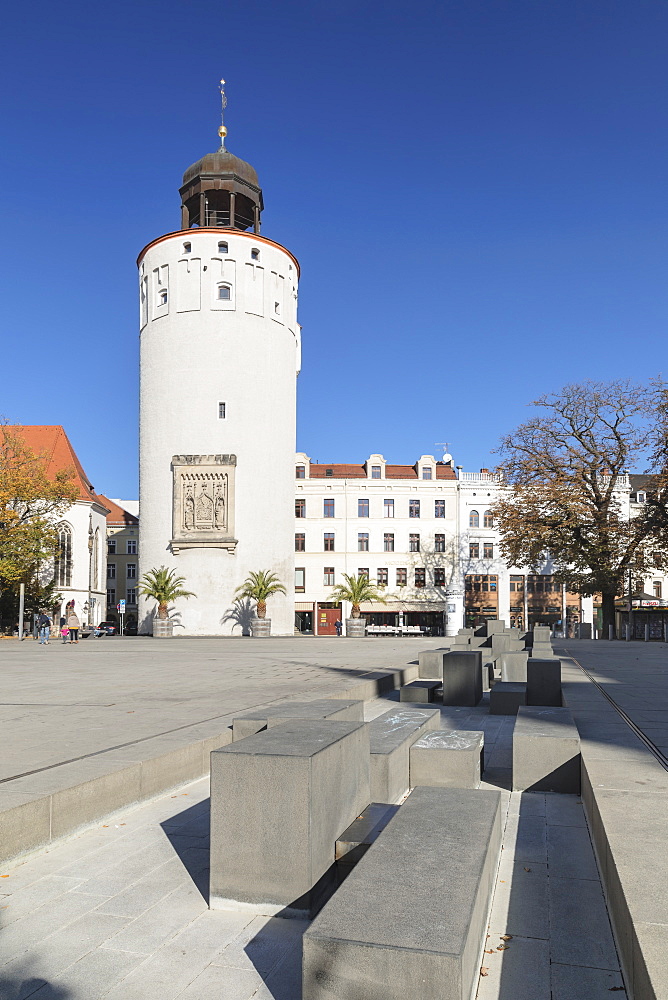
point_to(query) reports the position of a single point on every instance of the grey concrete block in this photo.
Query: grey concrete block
(542, 651)
(421, 691)
(25, 822)
(506, 697)
(487, 674)
(410, 919)
(546, 751)
(431, 663)
(495, 625)
(513, 666)
(544, 682)
(542, 633)
(279, 801)
(462, 678)
(390, 739)
(447, 758)
(334, 709)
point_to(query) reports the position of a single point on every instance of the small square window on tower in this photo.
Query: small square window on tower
(255, 254)
(163, 298)
(221, 411)
(187, 247)
(224, 292)
(222, 248)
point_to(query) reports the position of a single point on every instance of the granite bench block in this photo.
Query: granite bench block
(390, 739)
(447, 758)
(513, 665)
(354, 842)
(462, 678)
(279, 801)
(544, 681)
(431, 663)
(410, 919)
(506, 697)
(546, 751)
(421, 691)
(335, 709)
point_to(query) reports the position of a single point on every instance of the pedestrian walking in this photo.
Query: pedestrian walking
(43, 629)
(338, 625)
(73, 624)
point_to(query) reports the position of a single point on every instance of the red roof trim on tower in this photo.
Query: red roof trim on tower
(210, 229)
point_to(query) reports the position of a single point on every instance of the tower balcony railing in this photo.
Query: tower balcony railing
(220, 219)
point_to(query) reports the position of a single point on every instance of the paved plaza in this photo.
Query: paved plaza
(119, 910)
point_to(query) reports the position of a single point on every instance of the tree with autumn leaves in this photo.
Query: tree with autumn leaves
(565, 492)
(30, 505)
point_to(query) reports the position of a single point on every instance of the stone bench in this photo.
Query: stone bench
(447, 758)
(279, 801)
(334, 709)
(390, 738)
(506, 697)
(544, 682)
(546, 751)
(513, 665)
(410, 919)
(431, 663)
(421, 691)
(462, 678)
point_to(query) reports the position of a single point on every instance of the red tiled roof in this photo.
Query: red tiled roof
(391, 472)
(52, 444)
(117, 515)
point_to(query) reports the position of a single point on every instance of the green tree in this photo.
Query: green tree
(566, 490)
(259, 586)
(30, 505)
(163, 586)
(356, 589)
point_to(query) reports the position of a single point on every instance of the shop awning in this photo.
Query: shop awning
(303, 605)
(395, 607)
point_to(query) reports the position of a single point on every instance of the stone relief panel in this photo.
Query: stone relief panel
(203, 502)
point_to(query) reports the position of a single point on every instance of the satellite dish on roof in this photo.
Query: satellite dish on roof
(447, 458)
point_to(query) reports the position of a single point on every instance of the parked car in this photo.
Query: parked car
(130, 628)
(105, 628)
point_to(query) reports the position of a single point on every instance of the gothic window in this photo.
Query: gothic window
(96, 558)
(63, 567)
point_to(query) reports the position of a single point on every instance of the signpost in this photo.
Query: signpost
(120, 607)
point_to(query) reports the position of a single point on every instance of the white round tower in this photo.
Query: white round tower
(219, 355)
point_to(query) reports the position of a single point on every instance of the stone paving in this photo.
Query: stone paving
(120, 911)
(634, 674)
(60, 702)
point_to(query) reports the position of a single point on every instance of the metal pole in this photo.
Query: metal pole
(611, 632)
(564, 610)
(628, 627)
(22, 601)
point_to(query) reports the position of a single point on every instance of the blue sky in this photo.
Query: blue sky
(476, 191)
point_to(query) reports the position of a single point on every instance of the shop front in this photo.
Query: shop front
(407, 617)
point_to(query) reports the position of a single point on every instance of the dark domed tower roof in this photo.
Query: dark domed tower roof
(222, 163)
(221, 191)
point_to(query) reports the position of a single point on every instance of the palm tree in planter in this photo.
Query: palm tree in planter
(259, 586)
(164, 586)
(356, 589)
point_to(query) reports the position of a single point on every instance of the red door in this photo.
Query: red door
(327, 618)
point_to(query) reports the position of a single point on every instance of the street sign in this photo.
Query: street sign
(120, 607)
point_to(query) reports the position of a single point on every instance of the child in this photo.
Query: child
(64, 631)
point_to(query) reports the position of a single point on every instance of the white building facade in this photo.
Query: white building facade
(219, 356)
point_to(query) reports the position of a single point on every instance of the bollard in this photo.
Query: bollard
(611, 631)
(646, 633)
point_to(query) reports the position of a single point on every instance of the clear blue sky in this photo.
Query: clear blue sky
(475, 189)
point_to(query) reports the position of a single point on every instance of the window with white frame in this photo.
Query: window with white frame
(328, 576)
(131, 571)
(300, 579)
(222, 411)
(131, 595)
(389, 508)
(132, 546)
(111, 571)
(224, 292)
(363, 541)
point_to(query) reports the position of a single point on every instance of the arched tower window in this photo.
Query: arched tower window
(224, 292)
(63, 563)
(222, 248)
(474, 519)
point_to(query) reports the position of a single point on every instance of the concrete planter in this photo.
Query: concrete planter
(355, 628)
(162, 628)
(261, 628)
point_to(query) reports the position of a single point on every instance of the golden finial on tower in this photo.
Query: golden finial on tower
(222, 131)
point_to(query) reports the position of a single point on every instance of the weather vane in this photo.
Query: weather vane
(222, 131)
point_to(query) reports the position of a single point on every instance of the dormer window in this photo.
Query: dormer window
(187, 247)
(224, 292)
(300, 472)
(255, 254)
(375, 472)
(426, 472)
(222, 248)
(641, 497)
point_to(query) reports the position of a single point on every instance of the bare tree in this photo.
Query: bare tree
(566, 493)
